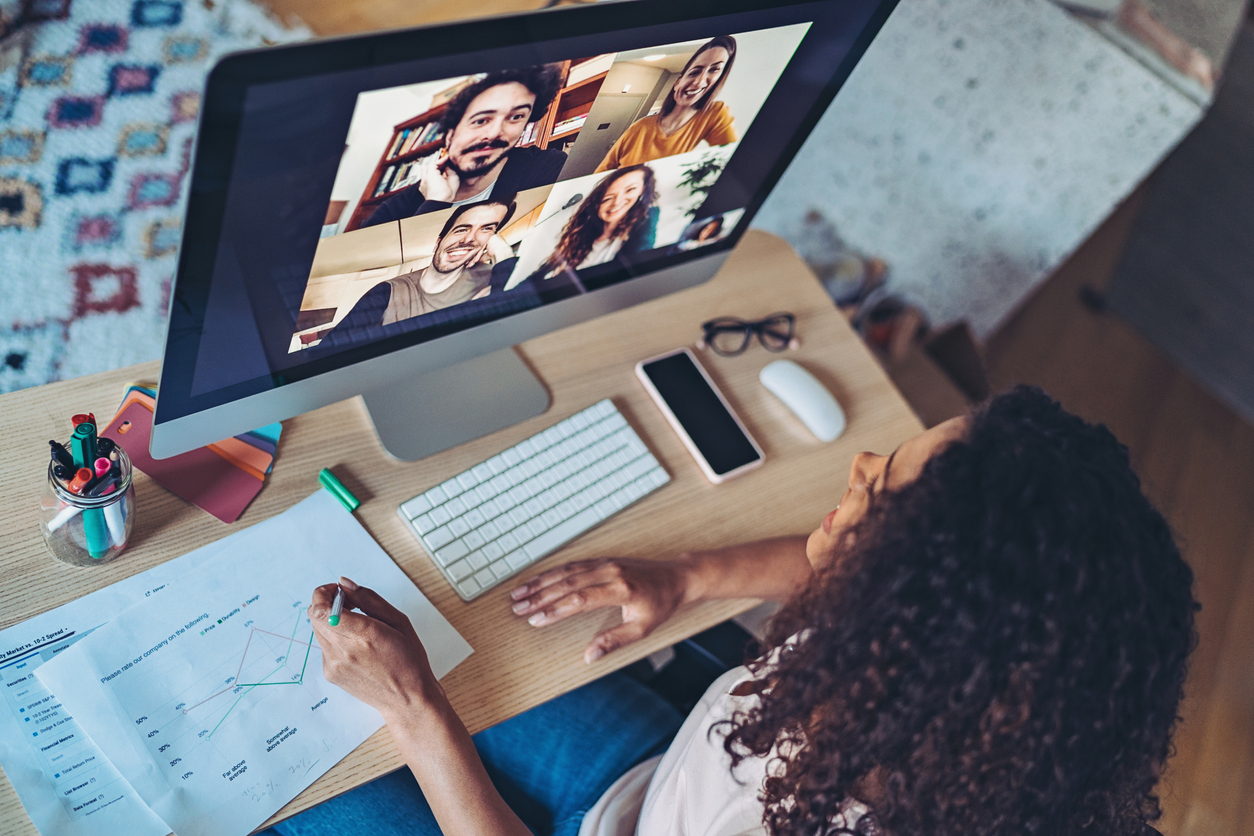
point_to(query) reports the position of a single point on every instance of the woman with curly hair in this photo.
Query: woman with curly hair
(988, 635)
(617, 216)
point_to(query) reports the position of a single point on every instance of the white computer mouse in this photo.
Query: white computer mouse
(806, 397)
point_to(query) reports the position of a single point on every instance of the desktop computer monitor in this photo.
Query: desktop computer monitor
(388, 214)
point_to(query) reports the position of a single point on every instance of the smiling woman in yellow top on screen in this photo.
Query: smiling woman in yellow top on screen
(689, 115)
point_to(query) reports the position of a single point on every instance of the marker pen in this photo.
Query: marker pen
(61, 455)
(102, 466)
(80, 480)
(337, 607)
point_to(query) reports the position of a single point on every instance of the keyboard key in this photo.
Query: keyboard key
(416, 507)
(459, 570)
(438, 539)
(451, 553)
(558, 536)
(504, 513)
(636, 469)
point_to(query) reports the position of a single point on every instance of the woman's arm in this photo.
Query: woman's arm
(377, 657)
(650, 591)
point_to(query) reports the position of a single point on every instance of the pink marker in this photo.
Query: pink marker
(102, 467)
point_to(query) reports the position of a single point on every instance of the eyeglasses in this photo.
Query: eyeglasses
(728, 336)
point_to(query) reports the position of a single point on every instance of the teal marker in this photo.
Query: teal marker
(337, 489)
(95, 530)
(337, 607)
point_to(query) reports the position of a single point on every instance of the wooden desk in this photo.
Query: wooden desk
(514, 666)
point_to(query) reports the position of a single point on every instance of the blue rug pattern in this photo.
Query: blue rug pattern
(98, 107)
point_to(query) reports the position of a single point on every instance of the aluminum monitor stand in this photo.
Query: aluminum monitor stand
(423, 415)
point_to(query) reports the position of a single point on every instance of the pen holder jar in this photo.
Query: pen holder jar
(85, 530)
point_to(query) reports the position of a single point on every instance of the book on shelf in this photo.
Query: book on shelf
(385, 180)
(396, 144)
(568, 125)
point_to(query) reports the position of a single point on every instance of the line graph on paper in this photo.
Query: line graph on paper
(260, 655)
(284, 674)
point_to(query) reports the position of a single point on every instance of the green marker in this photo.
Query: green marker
(95, 531)
(337, 607)
(337, 489)
(83, 444)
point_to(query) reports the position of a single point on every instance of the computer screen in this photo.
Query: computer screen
(360, 197)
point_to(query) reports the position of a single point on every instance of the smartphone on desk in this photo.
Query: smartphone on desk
(700, 415)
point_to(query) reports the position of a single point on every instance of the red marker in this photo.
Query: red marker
(81, 418)
(80, 480)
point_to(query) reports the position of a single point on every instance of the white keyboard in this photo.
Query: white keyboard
(501, 516)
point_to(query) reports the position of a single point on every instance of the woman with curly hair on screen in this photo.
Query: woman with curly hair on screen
(617, 216)
(987, 635)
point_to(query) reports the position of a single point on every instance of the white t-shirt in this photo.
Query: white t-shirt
(691, 790)
(601, 252)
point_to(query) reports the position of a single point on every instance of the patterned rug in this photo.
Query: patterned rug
(98, 107)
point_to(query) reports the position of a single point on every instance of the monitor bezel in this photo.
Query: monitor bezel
(363, 370)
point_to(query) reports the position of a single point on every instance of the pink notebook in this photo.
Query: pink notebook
(202, 477)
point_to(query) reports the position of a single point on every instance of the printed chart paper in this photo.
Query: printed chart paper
(211, 701)
(63, 780)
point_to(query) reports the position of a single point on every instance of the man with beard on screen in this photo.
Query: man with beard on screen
(470, 262)
(482, 126)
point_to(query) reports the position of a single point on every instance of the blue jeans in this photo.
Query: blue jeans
(550, 764)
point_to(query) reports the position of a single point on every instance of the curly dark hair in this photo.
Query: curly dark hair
(544, 80)
(586, 226)
(1001, 650)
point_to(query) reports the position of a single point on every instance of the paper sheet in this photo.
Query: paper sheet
(211, 701)
(62, 778)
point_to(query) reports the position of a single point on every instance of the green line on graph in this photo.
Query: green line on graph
(308, 650)
(251, 685)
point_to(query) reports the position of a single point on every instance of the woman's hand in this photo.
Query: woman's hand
(375, 655)
(648, 591)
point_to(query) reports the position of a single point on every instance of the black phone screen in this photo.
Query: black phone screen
(700, 412)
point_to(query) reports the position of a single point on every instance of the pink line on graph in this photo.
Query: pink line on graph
(240, 669)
